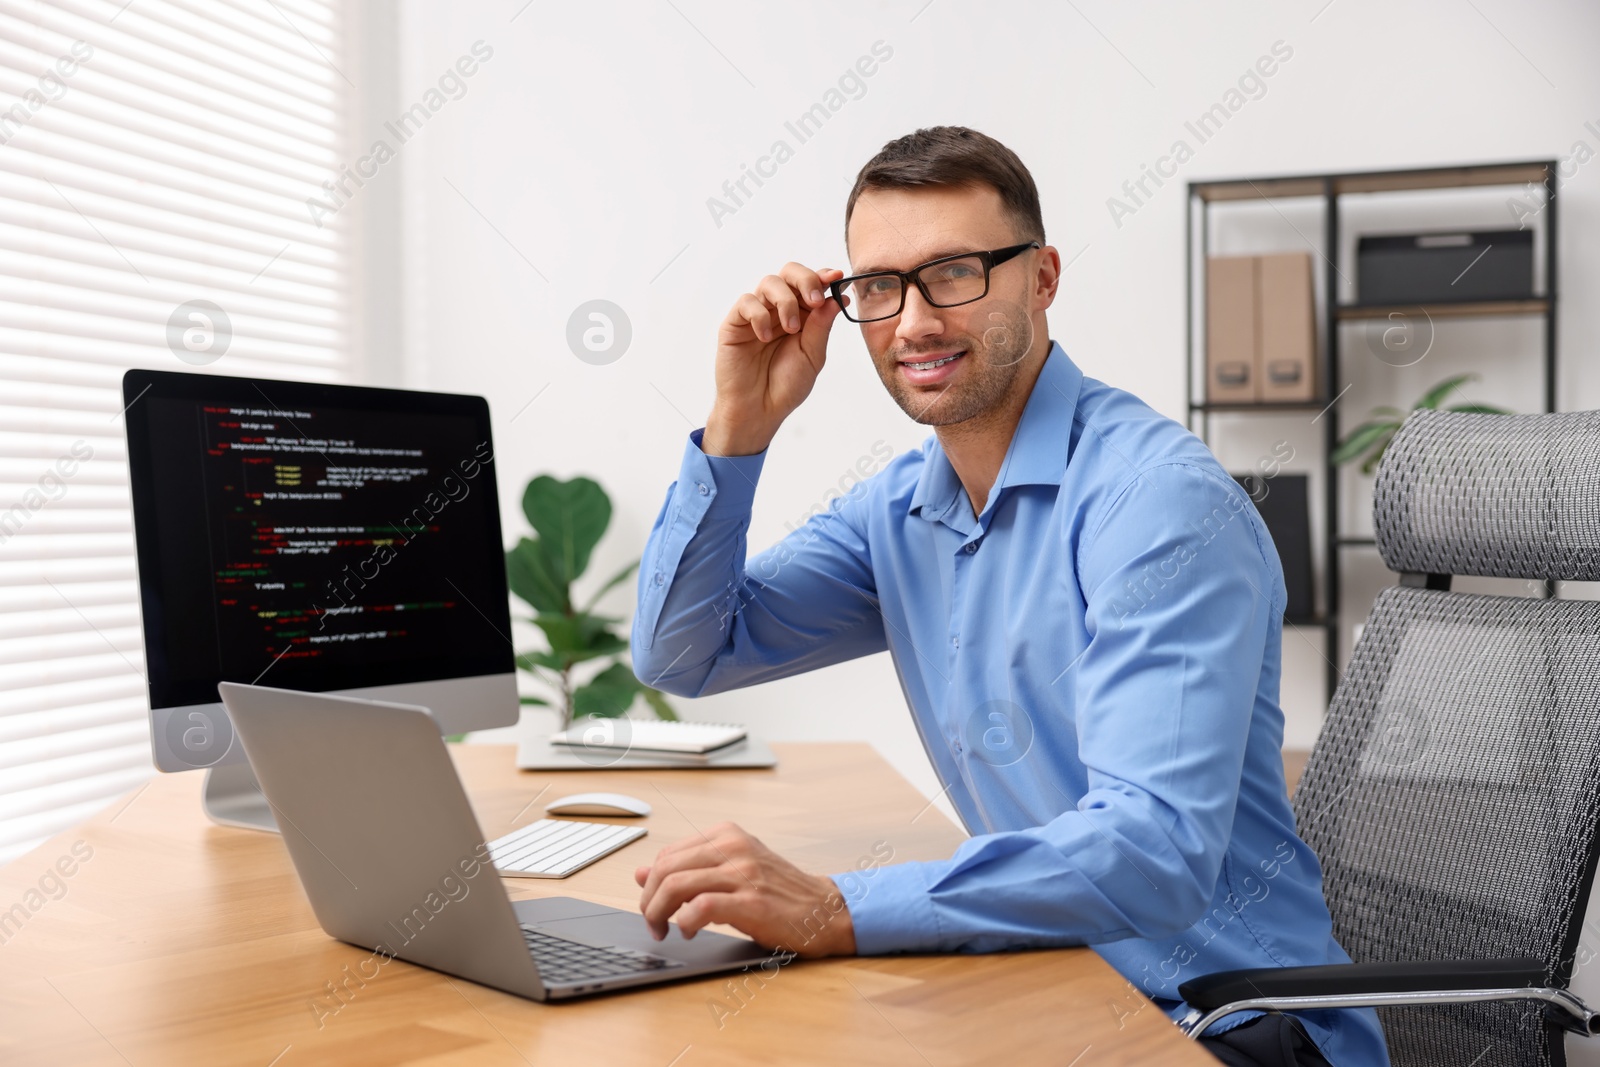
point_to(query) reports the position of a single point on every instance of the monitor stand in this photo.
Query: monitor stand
(233, 797)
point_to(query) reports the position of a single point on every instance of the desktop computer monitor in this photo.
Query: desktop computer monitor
(326, 538)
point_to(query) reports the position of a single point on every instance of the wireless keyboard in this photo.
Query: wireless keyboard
(555, 848)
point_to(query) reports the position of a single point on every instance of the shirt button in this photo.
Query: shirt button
(955, 641)
(659, 578)
(703, 489)
(972, 547)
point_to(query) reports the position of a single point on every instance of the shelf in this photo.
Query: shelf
(1536, 306)
(1246, 189)
(1263, 405)
(1441, 178)
(1370, 182)
(1327, 196)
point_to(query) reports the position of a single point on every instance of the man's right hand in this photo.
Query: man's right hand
(770, 349)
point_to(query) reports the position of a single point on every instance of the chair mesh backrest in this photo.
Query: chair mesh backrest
(1509, 496)
(1453, 794)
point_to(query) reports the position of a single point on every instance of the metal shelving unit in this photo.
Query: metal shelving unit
(1330, 188)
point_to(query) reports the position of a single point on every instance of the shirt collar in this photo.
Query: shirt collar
(1038, 451)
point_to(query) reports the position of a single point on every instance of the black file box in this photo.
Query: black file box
(1441, 268)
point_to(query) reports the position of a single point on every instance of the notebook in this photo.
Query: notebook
(648, 735)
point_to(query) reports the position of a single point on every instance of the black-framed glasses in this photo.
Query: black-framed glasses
(945, 283)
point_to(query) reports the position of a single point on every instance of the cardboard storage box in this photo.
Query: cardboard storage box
(1285, 361)
(1231, 330)
(1260, 329)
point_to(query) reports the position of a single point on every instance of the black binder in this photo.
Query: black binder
(1283, 502)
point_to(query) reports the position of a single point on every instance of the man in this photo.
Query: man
(1084, 610)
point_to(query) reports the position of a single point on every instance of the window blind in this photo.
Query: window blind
(152, 154)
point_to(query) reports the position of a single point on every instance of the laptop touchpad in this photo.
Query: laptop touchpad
(549, 909)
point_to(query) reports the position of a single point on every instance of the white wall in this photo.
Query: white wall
(585, 150)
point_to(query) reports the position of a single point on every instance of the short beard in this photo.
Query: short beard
(996, 361)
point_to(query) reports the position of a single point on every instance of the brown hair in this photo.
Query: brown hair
(954, 156)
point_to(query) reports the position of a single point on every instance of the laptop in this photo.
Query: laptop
(392, 858)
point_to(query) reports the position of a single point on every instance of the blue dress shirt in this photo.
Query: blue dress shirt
(1092, 664)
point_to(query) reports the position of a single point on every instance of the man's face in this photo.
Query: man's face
(900, 229)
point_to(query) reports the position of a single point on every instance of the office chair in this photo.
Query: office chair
(1452, 795)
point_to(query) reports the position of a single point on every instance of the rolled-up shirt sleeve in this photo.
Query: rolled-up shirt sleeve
(1179, 597)
(709, 620)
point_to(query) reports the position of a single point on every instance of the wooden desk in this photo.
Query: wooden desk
(182, 942)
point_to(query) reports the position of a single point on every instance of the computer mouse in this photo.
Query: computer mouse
(598, 804)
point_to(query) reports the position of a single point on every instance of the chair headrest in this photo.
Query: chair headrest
(1508, 496)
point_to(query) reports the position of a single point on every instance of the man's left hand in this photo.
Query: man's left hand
(727, 876)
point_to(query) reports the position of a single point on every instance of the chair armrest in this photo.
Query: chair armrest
(1211, 991)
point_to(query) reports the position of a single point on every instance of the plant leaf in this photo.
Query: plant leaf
(593, 627)
(540, 701)
(532, 577)
(1479, 409)
(614, 581)
(609, 694)
(533, 620)
(603, 645)
(528, 660)
(562, 631)
(577, 633)
(657, 700)
(1431, 398)
(1362, 438)
(570, 518)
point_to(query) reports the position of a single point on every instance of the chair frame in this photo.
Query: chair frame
(1568, 1010)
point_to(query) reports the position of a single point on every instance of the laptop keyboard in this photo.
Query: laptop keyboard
(555, 848)
(561, 961)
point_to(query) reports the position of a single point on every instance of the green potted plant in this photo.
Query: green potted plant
(569, 518)
(1368, 441)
